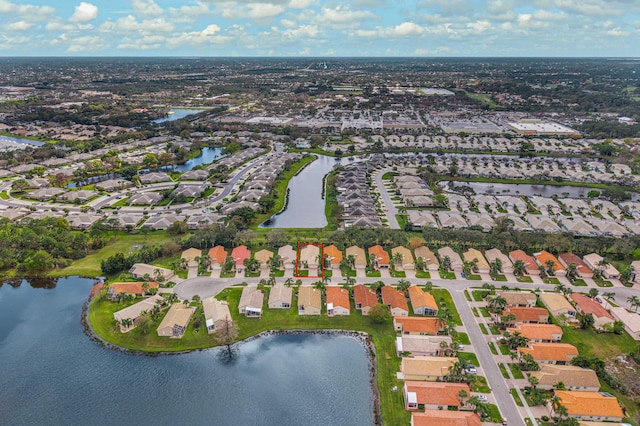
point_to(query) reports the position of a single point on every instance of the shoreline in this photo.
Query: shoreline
(360, 336)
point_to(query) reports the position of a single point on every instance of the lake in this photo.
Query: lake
(11, 139)
(178, 113)
(53, 374)
(207, 156)
(305, 208)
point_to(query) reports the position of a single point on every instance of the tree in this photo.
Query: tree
(497, 304)
(572, 271)
(462, 394)
(516, 340)
(178, 228)
(403, 285)
(144, 323)
(226, 333)
(377, 286)
(445, 265)
(277, 238)
(533, 381)
(609, 296)
(380, 313)
(586, 321)
(527, 363)
(593, 292)
(519, 268)
(550, 264)
(634, 301)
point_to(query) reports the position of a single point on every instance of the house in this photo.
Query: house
(635, 271)
(423, 303)
(528, 315)
(594, 261)
(445, 418)
(191, 255)
(598, 406)
(216, 314)
(454, 258)
(309, 300)
(421, 345)
(134, 312)
(338, 301)
(137, 289)
(406, 256)
(630, 320)
(264, 256)
(472, 255)
(557, 304)
(145, 198)
(574, 378)
(309, 257)
(82, 220)
(239, 254)
(380, 255)
(429, 258)
(113, 185)
(140, 270)
(288, 256)
(154, 177)
(495, 254)
(334, 254)
(364, 298)
(518, 298)
(175, 322)
(538, 333)
(530, 265)
(359, 257)
(426, 368)
(434, 396)
(550, 353)
(251, 302)
(544, 257)
(417, 325)
(587, 305)
(582, 270)
(395, 300)
(280, 297)
(217, 257)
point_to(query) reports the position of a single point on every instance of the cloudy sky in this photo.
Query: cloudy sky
(320, 28)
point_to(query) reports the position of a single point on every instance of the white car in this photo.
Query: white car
(482, 397)
(471, 370)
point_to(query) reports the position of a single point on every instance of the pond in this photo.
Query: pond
(53, 374)
(306, 202)
(177, 114)
(11, 139)
(523, 189)
(208, 155)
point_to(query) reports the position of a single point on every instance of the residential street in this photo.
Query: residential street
(391, 210)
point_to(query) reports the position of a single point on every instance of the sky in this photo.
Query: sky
(320, 28)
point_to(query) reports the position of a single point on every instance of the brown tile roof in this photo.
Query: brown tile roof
(569, 258)
(436, 366)
(364, 296)
(394, 298)
(418, 324)
(570, 375)
(427, 255)
(550, 351)
(537, 331)
(527, 314)
(381, 254)
(130, 288)
(445, 418)
(529, 262)
(338, 296)
(190, 254)
(556, 302)
(590, 306)
(518, 297)
(589, 404)
(437, 393)
(358, 254)
(420, 298)
(545, 256)
(217, 254)
(334, 253)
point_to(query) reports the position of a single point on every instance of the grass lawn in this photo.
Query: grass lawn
(503, 370)
(494, 413)
(479, 384)
(398, 274)
(277, 273)
(383, 336)
(524, 279)
(551, 280)
(443, 296)
(373, 274)
(579, 283)
(485, 312)
(475, 312)
(605, 346)
(470, 357)
(423, 274)
(494, 330)
(483, 329)
(516, 397)
(478, 295)
(122, 243)
(474, 277)
(447, 275)
(515, 371)
(500, 278)
(466, 296)
(602, 283)
(504, 349)
(463, 339)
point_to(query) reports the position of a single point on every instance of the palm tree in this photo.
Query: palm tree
(572, 271)
(319, 285)
(519, 268)
(377, 286)
(398, 258)
(609, 296)
(349, 281)
(428, 286)
(195, 298)
(593, 292)
(420, 264)
(634, 301)
(403, 285)
(445, 265)
(550, 264)
(288, 282)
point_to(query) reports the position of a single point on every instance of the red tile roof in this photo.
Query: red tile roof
(544, 256)
(445, 418)
(394, 298)
(550, 351)
(217, 254)
(437, 393)
(130, 287)
(590, 306)
(569, 258)
(529, 262)
(239, 254)
(418, 324)
(334, 253)
(527, 314)
(381, 254)
(338, 296)
(364, 296)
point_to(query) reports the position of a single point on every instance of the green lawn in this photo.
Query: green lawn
(470, 357)
(466, 295)
(503, 370)
(504, 349)
(383, 336)
(474, 277)
(485, 312)
(447, 275)
(500, 278)
(579, 283)
(373, 274)
(483, 329)
(516, 397)
(478, 295)
(443, 296)
(493, 349)
(494, 330)
(524, 279)
(90, 265)
(605, 346)
(398, 274)
(602, 283)
(463, 339)
(475, 312)
(479, 384)
(551, 280)
(423, 274)
(515, 371)
(494, 413)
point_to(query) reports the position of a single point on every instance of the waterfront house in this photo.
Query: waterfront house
(134, 312)
(216, 314)
(594, 406)
(364, 298)
(587, 306)
(426, 368)
(395, 300)
(574, 378)
(136, 289)
(434, 396)
(251, 302)
(338, 301)
(417, 325)
(445, 418)
(280, 297)
(175, 322)
(309, 300)
(550, 353)
(423, 303)
(140, 270)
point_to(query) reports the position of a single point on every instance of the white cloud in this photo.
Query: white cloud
(19, 26)
(617, 32)
(145, 27)
(144, 43)
(408, 28)
(264, 10)
(479, 26)
(146, 8)
(302, 32)
(84, 12)
(27, 12)
(341, 14)
(189, 13)
(209, 35)
(300, 4)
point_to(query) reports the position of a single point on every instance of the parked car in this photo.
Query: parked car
(482, 397)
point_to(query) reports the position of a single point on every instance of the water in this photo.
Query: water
(207, 156)
(305, 208)
(53, 374)
(21, 141)
(524, 189)
(178, 114)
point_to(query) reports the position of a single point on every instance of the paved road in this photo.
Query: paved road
(390, 208)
